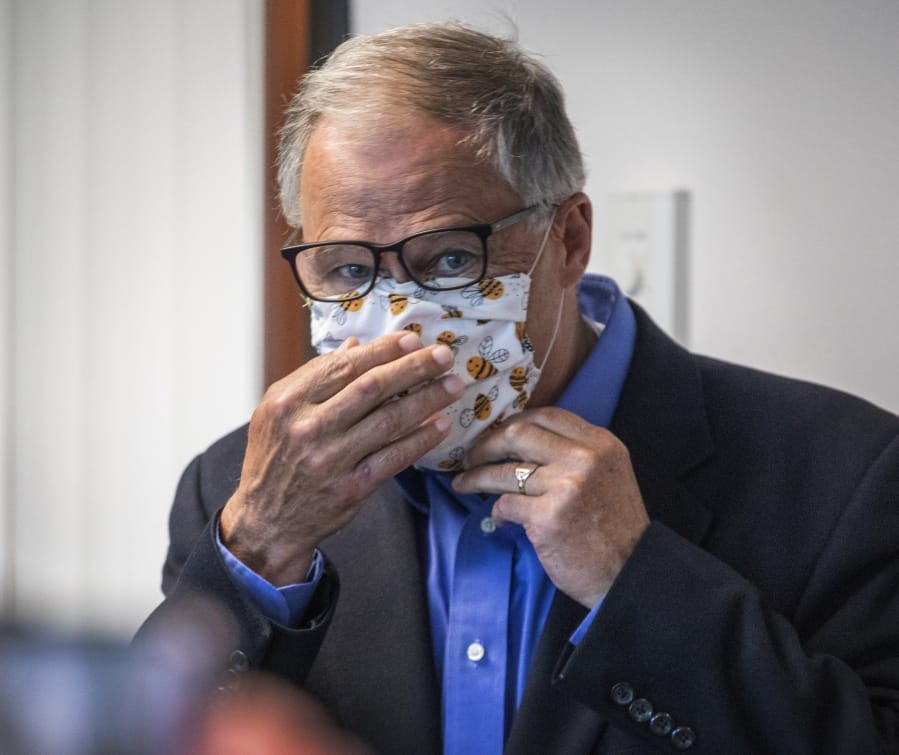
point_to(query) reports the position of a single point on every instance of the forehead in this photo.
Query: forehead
(396, 178)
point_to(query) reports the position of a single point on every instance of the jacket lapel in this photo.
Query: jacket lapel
(376, 665)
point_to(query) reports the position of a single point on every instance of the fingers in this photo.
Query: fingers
(501, 478)
(384, 381)
(396, 419)
(327, 375)
(522, 441)
(394, 458)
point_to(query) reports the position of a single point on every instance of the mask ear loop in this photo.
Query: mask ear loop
(549, 227)
(552, 340)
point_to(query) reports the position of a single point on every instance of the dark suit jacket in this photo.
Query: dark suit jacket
(761, 608)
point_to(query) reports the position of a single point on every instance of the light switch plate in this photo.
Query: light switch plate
(646, 253)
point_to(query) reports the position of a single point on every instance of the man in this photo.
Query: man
(502, 511)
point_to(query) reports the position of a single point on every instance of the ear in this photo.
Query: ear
(573, 226)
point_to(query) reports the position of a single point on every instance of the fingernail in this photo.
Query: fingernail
(442, 423)
(410, 342)
(443, 355)
(453, 385)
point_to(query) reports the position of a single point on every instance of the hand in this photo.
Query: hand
(324, 438)
(583, 511)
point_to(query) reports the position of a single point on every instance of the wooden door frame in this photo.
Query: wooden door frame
(297, 33)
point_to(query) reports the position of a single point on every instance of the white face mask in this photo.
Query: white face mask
(484, 325)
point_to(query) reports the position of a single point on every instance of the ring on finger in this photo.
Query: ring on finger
(522, 474)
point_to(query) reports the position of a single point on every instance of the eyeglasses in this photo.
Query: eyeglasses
(441, 259)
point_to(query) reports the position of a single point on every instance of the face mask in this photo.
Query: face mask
(484, 325)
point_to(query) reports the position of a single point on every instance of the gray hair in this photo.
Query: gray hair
(509, 105)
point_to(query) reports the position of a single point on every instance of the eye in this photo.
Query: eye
(453, 260)
(354, 272)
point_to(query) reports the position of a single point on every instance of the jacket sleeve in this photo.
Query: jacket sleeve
(195, 577)
(684, 634)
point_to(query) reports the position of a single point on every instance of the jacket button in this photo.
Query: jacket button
(683, 738)
(640, 710)
(622, 694)
(239, 661)
(661, 724)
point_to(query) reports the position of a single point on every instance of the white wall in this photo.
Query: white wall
(780, 118)
(136, 245)
(6, 195)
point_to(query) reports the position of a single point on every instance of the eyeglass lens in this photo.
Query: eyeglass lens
(438, 260)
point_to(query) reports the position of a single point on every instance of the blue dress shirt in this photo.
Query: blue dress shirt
(483, 654)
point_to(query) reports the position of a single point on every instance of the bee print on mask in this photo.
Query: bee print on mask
(398, 303)
(489, 288)
(518, 377)
(454, 460)
(523, 338)
(354, 305)
(482, 409)
(448, 338)
(414, 327)
(484, 366)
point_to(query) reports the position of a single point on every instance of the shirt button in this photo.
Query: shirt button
(661, 724)
(488, 526)
(622, 694)
(683, 738)
(475, 652)
(640, 710)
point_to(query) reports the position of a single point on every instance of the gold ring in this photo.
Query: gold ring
(522, 474)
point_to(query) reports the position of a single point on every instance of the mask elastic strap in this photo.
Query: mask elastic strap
(549, 227)
(552, 340)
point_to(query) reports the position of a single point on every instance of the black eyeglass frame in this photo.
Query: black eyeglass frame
(482, 230)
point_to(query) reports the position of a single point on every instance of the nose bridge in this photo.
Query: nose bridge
(391, 267)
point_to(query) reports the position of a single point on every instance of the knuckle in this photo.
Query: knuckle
(568, 487)
(307, 428)
(387, 425)
(337, 367)
(581, 457)
(516, 432)
(369, 386)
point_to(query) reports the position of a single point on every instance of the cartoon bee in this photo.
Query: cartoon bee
(483, 406)
(521, 400)
(448, 338)
(450, 312)
(454, 461)
(526, 344)
(398, 303)
(518, 378)
(414, 327)
(353, 305)
(496, 423)
(483, 366)
(489, 288)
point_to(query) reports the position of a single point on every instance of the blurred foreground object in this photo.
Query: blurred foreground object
(87, 695)
(267, 716)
